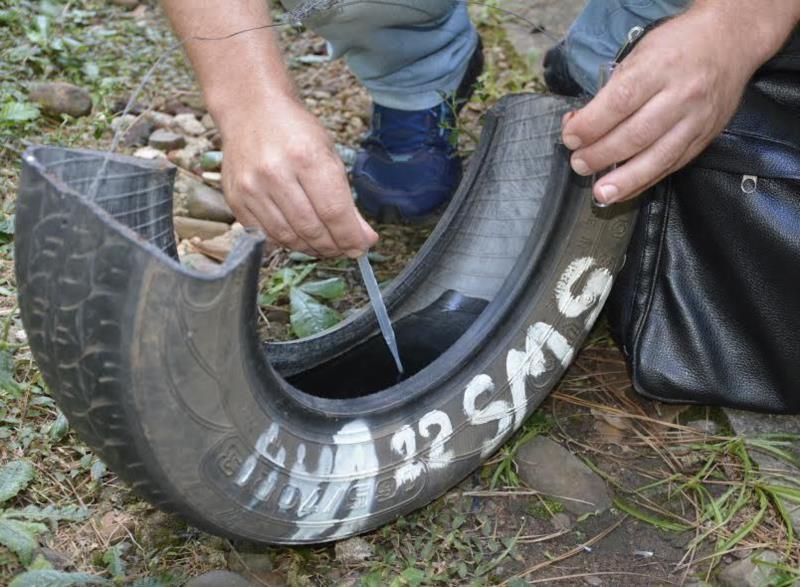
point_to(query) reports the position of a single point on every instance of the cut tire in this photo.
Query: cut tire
(160, 369)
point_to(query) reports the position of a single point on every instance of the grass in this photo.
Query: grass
(672, 481)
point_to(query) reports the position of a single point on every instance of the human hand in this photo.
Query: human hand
(665, 103)
(281, 173)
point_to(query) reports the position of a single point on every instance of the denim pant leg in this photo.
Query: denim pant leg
(602, 28)
(405, 53)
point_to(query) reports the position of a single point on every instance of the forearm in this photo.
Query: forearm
(237, 72)
(759, 27)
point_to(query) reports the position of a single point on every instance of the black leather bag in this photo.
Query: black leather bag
(707, 307)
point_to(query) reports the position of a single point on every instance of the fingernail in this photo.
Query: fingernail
(580, 167)
(566, 118)
(572, 142)
(608, 193)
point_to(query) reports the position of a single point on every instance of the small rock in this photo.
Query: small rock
(212, 178)
(161, 119)
(185, 158)
(115, 526)
(188, 123)
(278, 316)
(21, 335)
(748, 573)
(208, 121)
(149, 153)
(206, 203)
(593, 580)
(211, 161)
(201, 263)
(123, 121)
(166, 140)
(618, 422)
(194, 101)
(548, 467)
(354, 550)
(243, 562)
(219, 247)
(189, 228)
(219, 579)
(175, 107)
(561, 521)
(139, 12)
(59, 98)
(347, 155)
(708, 427)
(138, 132)
(59, 560)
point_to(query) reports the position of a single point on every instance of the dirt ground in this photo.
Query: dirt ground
(688, 502)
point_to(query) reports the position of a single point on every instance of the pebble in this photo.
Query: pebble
(188, 123)
(185, 158)
(137, 133)
(747, 573)
(708, 427)
(115, 526)
(593, 580)
(354, 550)
(122, 122)
(166, 140)
(546, 466)
(211, 161)
(212, 178)
(206, 203)
(161, 119)
(219, 247)
(58, 98)
(219, 579)
(149, 153)
(188, 228)
(200, 262)
(208, 121)
(561, 521)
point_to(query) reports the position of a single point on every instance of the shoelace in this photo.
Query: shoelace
(401, 132)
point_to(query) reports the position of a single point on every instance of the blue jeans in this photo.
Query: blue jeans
(409, 52)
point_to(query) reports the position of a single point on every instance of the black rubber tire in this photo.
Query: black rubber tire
(160, 369)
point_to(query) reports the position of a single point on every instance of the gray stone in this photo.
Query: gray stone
(750, 425)
(136, 134)
(708, 427)
(202, 264)
(186, 157)
(592, 580)
(160, 119)
(188, 228)
(219, 579)
(243, 562)
(59, 98)
(166, 140)
(211, 161)
(355, 550)
(149, 153)
(561, 521)
(748, 573)
(188, 123)
(552, 16)
(548, 467)
(207, 203)
(208, 121)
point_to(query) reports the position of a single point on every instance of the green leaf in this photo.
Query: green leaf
(20, 537)
(98, 470)
(47, 578)
(14, 477)
(112, 558)
(7, 382)
(329, 289)
(413, 577)
(299, 257)
(51, 513)
(18, 112)
(40, 564)
(647, 517)
(308, 316)
(59, 428)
